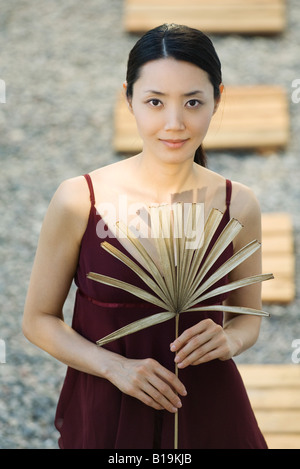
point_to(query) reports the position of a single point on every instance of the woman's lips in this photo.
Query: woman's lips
(178, 143)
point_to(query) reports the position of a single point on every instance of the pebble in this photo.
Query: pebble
(63, 63)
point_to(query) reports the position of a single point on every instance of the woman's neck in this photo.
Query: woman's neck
(164, 180)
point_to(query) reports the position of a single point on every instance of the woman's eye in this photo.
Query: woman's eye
(193, 103)
(155, 102)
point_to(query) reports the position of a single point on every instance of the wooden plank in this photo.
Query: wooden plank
(278, 244)
(274, 421)
(270, 376)
(275, 398)
(278, 257)
(285, 441)
(281, 222)
(281, 265)
(274, 392)
(215, 16)
(278, 291)
(249, 117)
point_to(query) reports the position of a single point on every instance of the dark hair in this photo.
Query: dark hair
(181, 43)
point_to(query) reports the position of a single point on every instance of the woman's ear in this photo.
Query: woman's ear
(128, 100)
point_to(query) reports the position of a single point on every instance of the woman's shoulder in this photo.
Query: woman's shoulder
(245, 195)
(72, 194)
(245, 205)
(69, 208)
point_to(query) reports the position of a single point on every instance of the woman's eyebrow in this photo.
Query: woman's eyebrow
(160, 93)
(155, 92)
(192, 93)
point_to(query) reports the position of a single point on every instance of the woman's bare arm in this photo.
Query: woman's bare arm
(245, 329)
(53, 270)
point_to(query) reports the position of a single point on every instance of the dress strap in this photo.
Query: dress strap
(91, 188)
(228, 192)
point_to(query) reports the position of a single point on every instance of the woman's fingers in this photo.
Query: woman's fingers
(160, 399)
(151, 383)
(165, 389)
(199, 344)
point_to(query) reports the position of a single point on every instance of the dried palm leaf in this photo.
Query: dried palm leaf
(177, 282)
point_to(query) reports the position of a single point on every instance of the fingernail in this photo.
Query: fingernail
(179, 404)
(177, 359)
(173, 348)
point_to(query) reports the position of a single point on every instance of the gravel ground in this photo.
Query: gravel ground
(63, 63)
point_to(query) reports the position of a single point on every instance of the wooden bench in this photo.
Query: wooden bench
(213, 16)
(278, 257)
(249, 117)
(274, 392)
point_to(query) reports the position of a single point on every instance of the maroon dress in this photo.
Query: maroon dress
(93, 414)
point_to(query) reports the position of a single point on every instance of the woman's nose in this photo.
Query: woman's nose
(174, 119)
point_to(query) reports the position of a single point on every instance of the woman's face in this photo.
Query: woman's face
(173, 103)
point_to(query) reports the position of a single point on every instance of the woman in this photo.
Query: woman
(125, 394)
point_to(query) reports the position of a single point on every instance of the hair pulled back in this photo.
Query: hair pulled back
(181, 43)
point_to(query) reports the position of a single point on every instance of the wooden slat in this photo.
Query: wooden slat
(272, 398)
(249, 117)
(274, 392)
(281, 221)
(270, 376)
(279, 291)
(213, 16)
(288, 441)
(281, 243)
(274, 421)
(278, 257)
(282, 264)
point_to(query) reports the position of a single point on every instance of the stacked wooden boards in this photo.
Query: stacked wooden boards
(274, 392)
(213, 16)
(278, 257)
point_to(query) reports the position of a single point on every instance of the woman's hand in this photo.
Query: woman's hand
(201, 343)
(149, 382)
